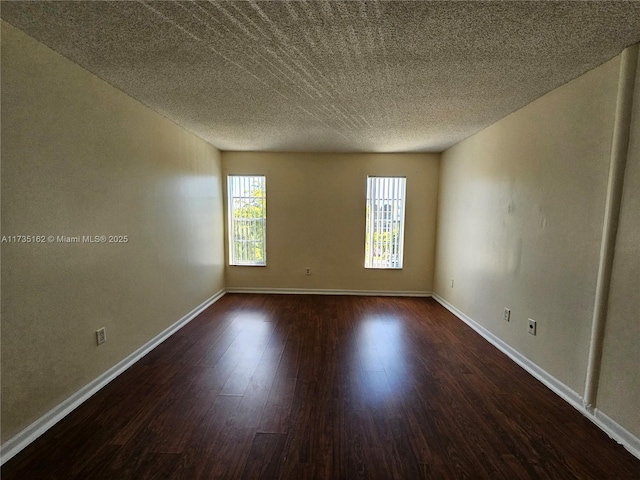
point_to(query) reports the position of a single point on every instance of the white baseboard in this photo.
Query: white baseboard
(616, 431)
(13, 446)
(300, 291)
(550, 381)
(44, 423)
(605, 423)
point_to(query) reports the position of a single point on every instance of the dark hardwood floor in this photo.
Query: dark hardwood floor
(324, 387)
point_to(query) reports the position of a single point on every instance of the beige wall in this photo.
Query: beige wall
(520, 218)
(520, 222)
(619, 391)
(520, 226)
(316, 218)
(81, 158)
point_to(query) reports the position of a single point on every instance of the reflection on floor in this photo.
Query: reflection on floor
(300, 386)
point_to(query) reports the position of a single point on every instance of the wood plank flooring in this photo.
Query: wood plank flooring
(324, 387)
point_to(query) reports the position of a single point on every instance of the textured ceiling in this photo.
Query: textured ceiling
(332, 75)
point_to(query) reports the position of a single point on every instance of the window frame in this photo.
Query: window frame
(380, 203)
(233, 258)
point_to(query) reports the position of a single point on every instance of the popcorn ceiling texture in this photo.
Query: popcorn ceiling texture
(332, 75)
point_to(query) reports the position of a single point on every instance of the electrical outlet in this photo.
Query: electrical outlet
(308, 271)
(507, 315)
(532, 327)
(451, 283)
(101, 335)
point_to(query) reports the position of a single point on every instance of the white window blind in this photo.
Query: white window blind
(247, 219)
(384, 237)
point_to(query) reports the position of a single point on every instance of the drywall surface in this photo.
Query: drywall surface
(316, 219)
(520, 220)
(619, 388)
(80, 158)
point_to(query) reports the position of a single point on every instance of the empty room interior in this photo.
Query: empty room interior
(323, 239)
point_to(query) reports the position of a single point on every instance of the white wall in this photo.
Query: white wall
(81, 158)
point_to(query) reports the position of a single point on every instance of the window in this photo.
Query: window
(247, 219)
(384, 238)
